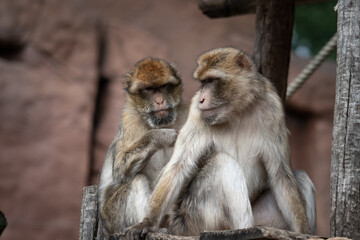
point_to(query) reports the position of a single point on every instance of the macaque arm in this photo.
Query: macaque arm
(132, 159)
(188, 150)
(284, 187)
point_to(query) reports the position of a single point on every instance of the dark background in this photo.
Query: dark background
(61, 95)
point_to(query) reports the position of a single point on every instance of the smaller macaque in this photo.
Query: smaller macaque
(143, 144)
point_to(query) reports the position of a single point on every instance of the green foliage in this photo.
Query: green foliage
(314, 25)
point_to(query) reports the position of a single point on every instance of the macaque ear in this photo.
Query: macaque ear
(127, 80)
(174, 70)
(245, 62)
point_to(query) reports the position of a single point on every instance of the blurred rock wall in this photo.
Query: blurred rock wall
(61, 96)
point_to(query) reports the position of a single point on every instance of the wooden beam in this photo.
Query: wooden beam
(228, 8)
(345, 160)
(274, 27)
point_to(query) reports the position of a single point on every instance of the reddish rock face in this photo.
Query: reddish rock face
(310, 120)
(61, 97)
(47, 90)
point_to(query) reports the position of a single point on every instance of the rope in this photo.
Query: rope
(311, 67)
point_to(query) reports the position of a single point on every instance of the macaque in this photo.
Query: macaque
(233, 146)
(143, 143)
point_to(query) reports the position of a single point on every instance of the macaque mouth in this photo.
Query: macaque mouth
(210, 114)
(211, 109)
(162, 112)
(162, 117)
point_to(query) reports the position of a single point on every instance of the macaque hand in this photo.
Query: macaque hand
(165, 137)
(139, 231)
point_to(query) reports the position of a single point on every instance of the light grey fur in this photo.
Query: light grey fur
(267, 213)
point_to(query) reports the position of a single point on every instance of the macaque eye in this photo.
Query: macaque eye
(208, 81)
(211, 80)
(147, 90)
(169, 86)
(165, 86)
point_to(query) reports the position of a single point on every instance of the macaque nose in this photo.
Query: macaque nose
(159, 102)
(202, 98)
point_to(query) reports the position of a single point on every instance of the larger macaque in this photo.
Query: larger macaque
(143, 144)
(233, 146)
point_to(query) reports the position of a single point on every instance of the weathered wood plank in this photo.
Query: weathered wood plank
(345, 160)
(228, 8)
(156, 236)
(254, 233)
(89, 214)
(274, 27)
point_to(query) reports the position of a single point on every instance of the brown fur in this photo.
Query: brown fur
(151, 72)
(239, 114)
(227, 59)
(142, 145)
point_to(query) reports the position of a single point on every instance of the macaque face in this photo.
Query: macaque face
(155, 88)
(213, 103)
(159, 104)
(225, 84)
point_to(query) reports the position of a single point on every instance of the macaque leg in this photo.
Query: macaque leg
(267, 213)
(116, 210)
(216, 199)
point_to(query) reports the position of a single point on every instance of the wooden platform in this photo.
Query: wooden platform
(91, 229)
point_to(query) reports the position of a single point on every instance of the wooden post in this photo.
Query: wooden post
(89, 214)
(274, 27)
(345, 161)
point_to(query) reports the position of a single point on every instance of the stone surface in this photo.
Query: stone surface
(46, 104)
(310, 119)
(317, 95)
